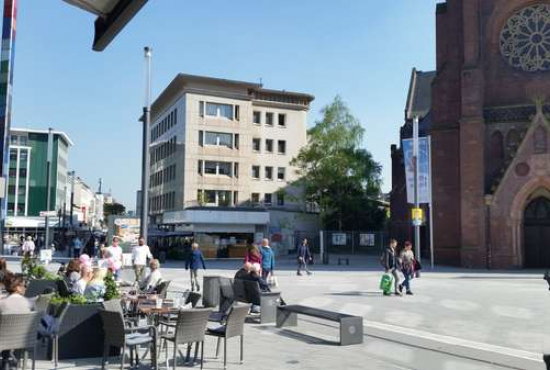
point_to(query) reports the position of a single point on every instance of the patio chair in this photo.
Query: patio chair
(42, 302)
(234, 327)
(227, 298)
(58, 312)
(190, 328)
(162, 288)
(18, 331)
(63, 288)
(37, 287)
(117, 335)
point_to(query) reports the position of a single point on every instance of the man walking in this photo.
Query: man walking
(391, 265)
(140, 253)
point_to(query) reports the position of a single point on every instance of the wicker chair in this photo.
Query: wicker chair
(190, 328)
(234, 327)
(117, 335)
(19, 331)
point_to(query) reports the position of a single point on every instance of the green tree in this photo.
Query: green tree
(339, 176)
(113, 209)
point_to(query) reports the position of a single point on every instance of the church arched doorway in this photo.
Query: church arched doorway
(536, 224)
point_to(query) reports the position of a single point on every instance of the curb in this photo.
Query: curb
(496, 355)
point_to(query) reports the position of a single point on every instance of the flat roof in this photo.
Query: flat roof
(35, 131)
(252, 89)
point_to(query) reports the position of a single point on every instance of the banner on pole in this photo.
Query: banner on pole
(424, 193)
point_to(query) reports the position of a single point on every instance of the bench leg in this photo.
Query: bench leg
(268, 309)
(351, 331)
(285, 318)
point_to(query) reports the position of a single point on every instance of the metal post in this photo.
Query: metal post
(73, 179)
(48, 184)
(416, 202)
(145, 146)
(321, 246)
(432, 257)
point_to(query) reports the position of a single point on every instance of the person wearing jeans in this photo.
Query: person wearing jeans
(194, 261)
(304, 257)
(391, 265)
(407, 267)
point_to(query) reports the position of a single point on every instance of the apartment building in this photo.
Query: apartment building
(220, 160)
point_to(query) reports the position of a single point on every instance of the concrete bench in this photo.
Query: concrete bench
(341, 260)
(351, 327)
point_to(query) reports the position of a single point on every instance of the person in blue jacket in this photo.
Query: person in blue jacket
(193, 262)
(268, 259)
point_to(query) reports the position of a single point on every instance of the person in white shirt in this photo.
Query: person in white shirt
(140, 253)
(86, 275)
(15, 302)
(150, 282)
(28, 246)
(115, 252)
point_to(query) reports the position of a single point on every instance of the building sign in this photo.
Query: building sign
(339, 239)
(417, 216)
(424, 190)
(366, 240)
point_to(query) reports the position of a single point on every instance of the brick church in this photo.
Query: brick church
(487, 110)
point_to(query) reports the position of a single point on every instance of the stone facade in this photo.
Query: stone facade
(490, 129)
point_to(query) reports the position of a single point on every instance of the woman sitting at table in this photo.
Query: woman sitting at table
(72, 274)
(95, 289)
(86, 275)
(150, 282)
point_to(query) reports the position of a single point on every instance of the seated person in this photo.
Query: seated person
(95, 289)
(15, 302)
(86, 275)
(251, 271)
(72, 274)
(152, 280)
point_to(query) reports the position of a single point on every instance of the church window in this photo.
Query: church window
(541, 140)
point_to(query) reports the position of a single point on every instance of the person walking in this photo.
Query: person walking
(28, 246)
(407, 267)
(268, 259)
(140, 253)
(391, 265)
(114, 251)
(194, 260)
(77, 246)
(304, 257)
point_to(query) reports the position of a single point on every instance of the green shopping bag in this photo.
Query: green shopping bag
(386, 283)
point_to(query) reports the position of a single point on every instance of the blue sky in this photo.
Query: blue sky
(363, 50)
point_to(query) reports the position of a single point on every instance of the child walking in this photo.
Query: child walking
(192, 263)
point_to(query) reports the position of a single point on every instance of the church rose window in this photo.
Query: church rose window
(525, 39)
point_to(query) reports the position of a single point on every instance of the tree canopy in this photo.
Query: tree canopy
(337, 174)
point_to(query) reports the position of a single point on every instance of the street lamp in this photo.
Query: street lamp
(145, 145)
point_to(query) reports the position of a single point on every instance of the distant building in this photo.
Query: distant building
(220, 161)
(26, 193)
(87, 205)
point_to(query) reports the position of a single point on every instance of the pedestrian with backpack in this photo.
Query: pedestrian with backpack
(390, 262)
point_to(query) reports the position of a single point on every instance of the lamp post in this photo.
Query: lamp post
(416, 200)
(145, 146)
(48, 184)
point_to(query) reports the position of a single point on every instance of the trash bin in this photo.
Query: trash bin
(210, 291)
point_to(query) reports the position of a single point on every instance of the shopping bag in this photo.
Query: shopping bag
(386, 283)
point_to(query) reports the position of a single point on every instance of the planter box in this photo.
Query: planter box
(36, 287)
(81, 333)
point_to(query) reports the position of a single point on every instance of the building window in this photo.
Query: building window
(280, 173)
(282, 120)
(210, 197)
(269, 118)
(11, 189)
(217, 168)
(224, 168)
(13, 155)
(268, 199)
(13, 172)
(257, 117)
(281, 147)
(210, 167)
(237, 112)
(269, 145)
(218, 139)
(201, 138)
(236, 169)
(236, 141)
(13, 139)
(11, 207)
(201, 108)
(256, 145)
(220, 198)
(281, 199)
(256, 172)
(235, 198)
(22, 172)
(255, 198)
(269, 173)
(219, 110)
(24, 154)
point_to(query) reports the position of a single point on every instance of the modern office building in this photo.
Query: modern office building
(26, 193)
(220, 161)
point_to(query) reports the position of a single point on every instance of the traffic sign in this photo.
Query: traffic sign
(48, 213)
